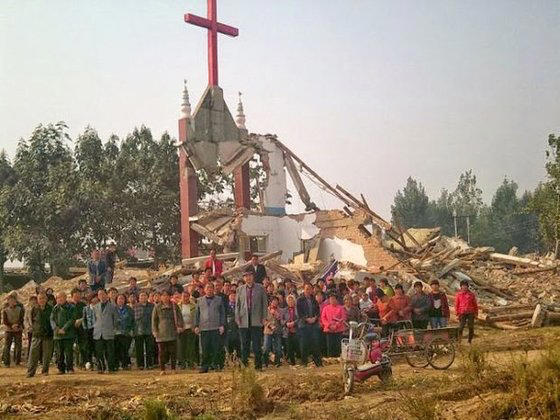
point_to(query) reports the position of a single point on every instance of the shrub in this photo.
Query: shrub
(248, 398)
(419, 407)
(474, 363)
(156, 410)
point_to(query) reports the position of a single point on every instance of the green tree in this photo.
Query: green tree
(149, 195)
(7, 181)
(411, 206)
(43, 213)
(96, 171)
(546, 198)
(440, 213)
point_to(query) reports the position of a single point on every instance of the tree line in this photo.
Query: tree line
(62, 197)
(528, 220)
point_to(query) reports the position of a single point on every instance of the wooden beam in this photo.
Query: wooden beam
(205, 232)
(242, 267)
(298, 183)
(194, 260)
(311, 171)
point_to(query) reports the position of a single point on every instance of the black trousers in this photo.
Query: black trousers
(105, 353)
(309, 336)
(467, 319)
(233, 343)
(292, 347)
(167, 351)
(122, 345)
(64, 354)
(144, 346)
(90, 346)
(251, 337)
(10, 337)
(333, 344)
(82, 340)
(210, 347)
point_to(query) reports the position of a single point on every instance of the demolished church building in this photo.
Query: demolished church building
(353, 234)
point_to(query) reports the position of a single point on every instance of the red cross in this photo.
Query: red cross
(213, 27)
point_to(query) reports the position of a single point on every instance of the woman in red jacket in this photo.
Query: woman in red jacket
(466, 309)
(333, 316)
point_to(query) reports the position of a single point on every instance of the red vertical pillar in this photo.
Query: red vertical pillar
(188, 190)
(242, 187)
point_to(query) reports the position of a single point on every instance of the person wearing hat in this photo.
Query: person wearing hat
(466, 309)
(251, 309)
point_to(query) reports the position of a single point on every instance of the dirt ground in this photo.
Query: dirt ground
(297, 393)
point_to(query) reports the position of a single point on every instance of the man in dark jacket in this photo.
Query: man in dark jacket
(258, 270)
(42, 341)
(420, 305)
(12, 318)
(97, 270)
(110, 260)
(63, 317)
(308, 315)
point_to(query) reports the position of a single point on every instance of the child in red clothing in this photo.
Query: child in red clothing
(466, 308)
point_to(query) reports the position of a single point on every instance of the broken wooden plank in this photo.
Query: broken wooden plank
(201, 259)
(535, 270)
(298, 183)
(511, 317)
(538, 317)
(205, 232)
(450, 266)
(314, 251)
(512, 260)
(508, 308)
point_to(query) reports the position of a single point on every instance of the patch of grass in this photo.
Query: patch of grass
(248, 397)
(533, 389)
(111, 413)
(418, 406)
(156, 410)
(474, 363)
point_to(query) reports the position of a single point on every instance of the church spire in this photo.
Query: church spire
(240, 119)
(186, 105)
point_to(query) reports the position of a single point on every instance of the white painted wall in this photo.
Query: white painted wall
(275, 191)
(284, 233)
(342, 250)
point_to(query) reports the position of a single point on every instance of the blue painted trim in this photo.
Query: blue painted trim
(275, 211)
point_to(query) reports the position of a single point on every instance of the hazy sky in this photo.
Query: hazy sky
(366, 92)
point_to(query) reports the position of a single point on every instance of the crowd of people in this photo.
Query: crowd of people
(209, 320)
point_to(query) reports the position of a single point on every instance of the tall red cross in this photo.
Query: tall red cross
(213, 27)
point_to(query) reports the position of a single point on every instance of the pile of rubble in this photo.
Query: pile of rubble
(513, 291)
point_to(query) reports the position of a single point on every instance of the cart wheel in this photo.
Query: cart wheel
(418, 358)
(348, 378)
(386, 376)
(440, 353)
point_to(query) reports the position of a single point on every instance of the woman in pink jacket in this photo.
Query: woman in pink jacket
(333, 316)
(466, 309)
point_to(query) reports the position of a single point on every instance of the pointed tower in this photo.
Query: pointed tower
(240, 118)
(188, 182)
(186, 105)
